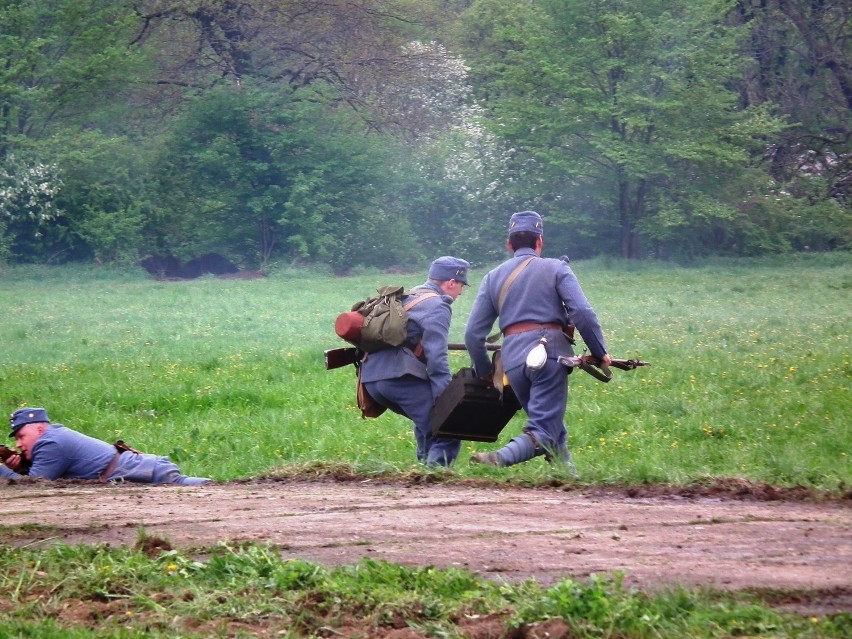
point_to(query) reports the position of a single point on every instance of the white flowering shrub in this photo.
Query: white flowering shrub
(439, 97)
(465, 168)
(28, 191)
(435, 91)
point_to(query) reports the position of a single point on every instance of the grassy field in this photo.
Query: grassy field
(750, 378)
(750, 372)
(95, 592)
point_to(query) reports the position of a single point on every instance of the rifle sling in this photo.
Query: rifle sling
(602, 374)
(120, 447)
(104, 476)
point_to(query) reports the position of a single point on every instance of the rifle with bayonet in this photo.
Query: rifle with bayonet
(6, 453)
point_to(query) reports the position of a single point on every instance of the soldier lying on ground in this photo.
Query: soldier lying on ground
(56, 452)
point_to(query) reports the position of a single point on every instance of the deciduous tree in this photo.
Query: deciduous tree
(622, 110)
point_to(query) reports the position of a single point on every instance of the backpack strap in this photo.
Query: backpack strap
(425, 295)
(504, 291)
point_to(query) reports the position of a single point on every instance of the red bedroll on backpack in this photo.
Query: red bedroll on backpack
(348, 325)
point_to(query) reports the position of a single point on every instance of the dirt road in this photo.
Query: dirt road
(800, 546)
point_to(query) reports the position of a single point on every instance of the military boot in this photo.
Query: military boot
(488, 459)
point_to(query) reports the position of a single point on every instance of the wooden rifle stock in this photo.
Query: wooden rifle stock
(339, 357)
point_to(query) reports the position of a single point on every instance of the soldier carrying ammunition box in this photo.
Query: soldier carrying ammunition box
(536, 299)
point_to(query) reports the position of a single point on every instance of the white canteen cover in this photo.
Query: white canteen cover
(537, 357)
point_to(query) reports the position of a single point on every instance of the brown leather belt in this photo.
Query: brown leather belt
(523, 327)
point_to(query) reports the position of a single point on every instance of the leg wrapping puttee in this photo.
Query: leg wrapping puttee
(520, 449)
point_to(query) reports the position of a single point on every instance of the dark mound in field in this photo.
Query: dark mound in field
(169, 268)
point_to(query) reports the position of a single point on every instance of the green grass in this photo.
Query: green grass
(750, 378)
(750, 372)
(97, 592)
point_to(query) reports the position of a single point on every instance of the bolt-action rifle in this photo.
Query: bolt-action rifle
(339, 357)
(596, 368)
(6, 453)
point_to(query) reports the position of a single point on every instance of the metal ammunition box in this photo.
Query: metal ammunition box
(472, 409)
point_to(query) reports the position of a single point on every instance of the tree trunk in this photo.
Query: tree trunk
(626, 217)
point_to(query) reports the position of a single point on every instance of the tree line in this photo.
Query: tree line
(385, 132)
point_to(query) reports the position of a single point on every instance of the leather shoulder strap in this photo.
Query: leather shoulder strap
(504, 291)
(419, 298)
(510, 280)
(425, 295)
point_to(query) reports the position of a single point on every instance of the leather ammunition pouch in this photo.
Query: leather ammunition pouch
(369, 406)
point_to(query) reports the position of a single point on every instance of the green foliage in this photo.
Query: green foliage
(453, 191)
(104, 196)
(799, 59)
(263, 176)
(637, 128)
(60, 59)
(217, 184)
(623, 107)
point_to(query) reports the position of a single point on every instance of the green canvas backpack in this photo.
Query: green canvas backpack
(379, 322)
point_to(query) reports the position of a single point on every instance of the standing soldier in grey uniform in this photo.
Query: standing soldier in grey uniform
(409, 379)
(543, 299)
(57, 452)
